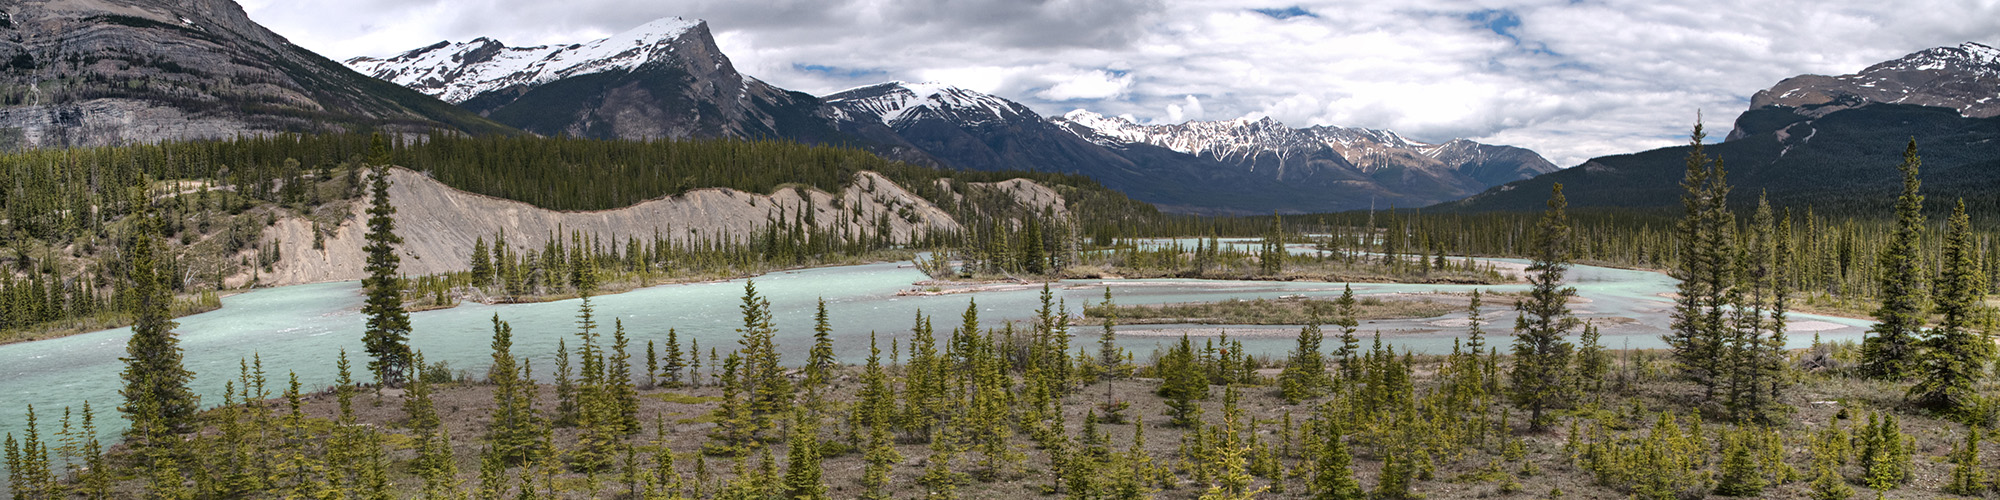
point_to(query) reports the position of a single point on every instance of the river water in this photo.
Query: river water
(302, 328)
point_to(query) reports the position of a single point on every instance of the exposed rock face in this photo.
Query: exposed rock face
(1831, 143)
(439, 224)
(667, 79)
(1965, 78)
(97, 72)
(662, 80)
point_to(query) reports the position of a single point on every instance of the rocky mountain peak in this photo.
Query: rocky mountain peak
(1965, 77)
(457, 72)
(896, 102)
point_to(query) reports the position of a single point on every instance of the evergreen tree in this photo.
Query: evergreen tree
(156, 391)
(1890, 349)
(1955, 353)
(820, 363)
(388, 333)
(1741, 477)
(1968, 476)
(1592, 363)
(514, 431)
(802, 462)
(1350, 346)
(1333, 473)
(1705, 235)
(482, 263)
(674, 364)
(874, 411)
(1305, 375)
(1183, 384)
(1541, 356)
(1108, 354)
(762, 375)
(434, 462)
(622, 397)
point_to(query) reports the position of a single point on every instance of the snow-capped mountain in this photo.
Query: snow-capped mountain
(663, 79)
(456, 72)
(667, 79)
(900, 102)
(1965, 77)
(1825, 142)
(1265, 143)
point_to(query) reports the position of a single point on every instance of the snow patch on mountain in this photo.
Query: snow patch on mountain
(455, 72)
(897, 102)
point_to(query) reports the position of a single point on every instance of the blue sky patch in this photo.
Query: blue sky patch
(838, 71)
(1286, 13)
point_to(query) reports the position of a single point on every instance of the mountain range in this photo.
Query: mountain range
(99, 72)
(667, 79)
(1830, 142)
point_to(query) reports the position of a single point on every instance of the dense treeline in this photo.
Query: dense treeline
(63, 209)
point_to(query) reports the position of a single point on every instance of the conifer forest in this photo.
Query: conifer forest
(1528, 402)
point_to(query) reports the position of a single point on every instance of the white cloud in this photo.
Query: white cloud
(1570, 79)
(1090, 85)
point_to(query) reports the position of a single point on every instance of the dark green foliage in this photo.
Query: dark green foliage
(1954, 354)
(1541, 356)
(514, 434)
(1968, 475)
(1890, 350)
(1704, 237)
(763, 377)
(1305, 374)
(388, 333)
(157, 398)
(1183, 384)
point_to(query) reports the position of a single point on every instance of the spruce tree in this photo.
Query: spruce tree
(1108, 354)
(674, 364)
(1350, 346)
(762, 375)
(1183, 384)
(802, 460)
(618, 391)
(388, 333)
(1541, 356)
(1333, 473)
(1890, 349)
(1705, 236)
(1954, 354)
(820, 363)
(514, 431)
(1304, 376)
(1968, 476)
(154, 374)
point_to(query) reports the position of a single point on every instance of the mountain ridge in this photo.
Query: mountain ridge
(667, 79)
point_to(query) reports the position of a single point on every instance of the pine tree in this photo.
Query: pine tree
(1333, 473)
(820, 363)
(434, 462)
(1350, 346)
(514, 431)
(482, 263)
(622, 397)
(802, 462)
(1968, 476)
(674, 364)
(1183, 384)
(1304, 376)
(735, 429)
(154, 373)
(763, 376)
(1890, 351)
(1108, 353)
(1741, 477)
(1955, 354)
(388, 333)
(1591, 361)
(1705, 235)
(1541, 356)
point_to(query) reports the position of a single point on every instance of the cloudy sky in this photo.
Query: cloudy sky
(1570, 79)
